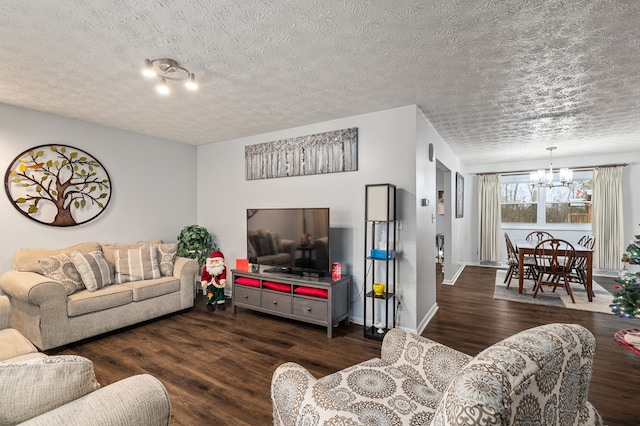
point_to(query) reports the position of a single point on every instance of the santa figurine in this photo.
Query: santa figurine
(214, 279)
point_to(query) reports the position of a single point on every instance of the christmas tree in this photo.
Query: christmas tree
(626, 296)
(632, 256)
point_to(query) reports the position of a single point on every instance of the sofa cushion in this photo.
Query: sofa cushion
(136, 264)
(93, 268)
(84, 302)
(30, 388)
(14, 344)
(147, 289)
(61, 268)
(166, 258)
(375, 390)
(109, 249)
(27, 259)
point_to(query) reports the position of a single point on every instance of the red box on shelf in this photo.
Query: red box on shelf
(242, 264)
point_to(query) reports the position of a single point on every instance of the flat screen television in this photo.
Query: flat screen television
(292, 240)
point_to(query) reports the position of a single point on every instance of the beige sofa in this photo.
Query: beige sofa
(538, 376)
(50, 315)
(62, 390)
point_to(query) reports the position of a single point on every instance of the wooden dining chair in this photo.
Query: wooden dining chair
(583, 239)
(537, 236)
(579, 270)
(554, 262)
(513, 260)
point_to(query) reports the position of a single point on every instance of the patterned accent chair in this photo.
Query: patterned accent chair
(538, 376)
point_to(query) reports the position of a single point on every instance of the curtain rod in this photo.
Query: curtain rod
(576, 169)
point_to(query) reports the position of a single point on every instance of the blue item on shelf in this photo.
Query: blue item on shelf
(383, 254)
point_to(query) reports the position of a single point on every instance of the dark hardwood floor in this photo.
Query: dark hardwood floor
(217, 366)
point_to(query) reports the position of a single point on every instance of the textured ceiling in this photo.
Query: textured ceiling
(499, 79)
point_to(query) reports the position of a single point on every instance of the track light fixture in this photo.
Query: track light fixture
(168, 69)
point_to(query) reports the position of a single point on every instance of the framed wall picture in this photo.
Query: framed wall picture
(328, 152)
(459, 195)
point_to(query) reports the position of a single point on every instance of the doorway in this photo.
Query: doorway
(443, 217)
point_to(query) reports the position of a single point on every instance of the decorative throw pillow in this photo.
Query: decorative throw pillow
(33, 387)
(166, 254)
(285, 288)
(136, 264)
(312, 291)
(61, 268)
(109, 249)
(93, 269)
(251, 282)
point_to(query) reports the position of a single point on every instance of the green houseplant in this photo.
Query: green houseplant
(195, 242)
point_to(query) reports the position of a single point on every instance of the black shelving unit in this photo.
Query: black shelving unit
(380, 259)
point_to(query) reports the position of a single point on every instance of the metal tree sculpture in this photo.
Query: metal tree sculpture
(58, 185)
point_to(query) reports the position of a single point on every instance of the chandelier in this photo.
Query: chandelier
(168, 69)
(544, 177)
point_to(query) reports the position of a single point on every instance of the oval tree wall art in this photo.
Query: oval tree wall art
(58, 185)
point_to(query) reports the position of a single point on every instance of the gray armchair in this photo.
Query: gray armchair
(38, 390)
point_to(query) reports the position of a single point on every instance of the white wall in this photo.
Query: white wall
(631, 196)
(386, 154)
(153, 183)
(425, 206)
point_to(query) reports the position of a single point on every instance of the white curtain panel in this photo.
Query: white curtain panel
(607, 217)
(489, 218)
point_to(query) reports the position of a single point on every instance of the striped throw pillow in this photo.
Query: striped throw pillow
(93, 269)
(136, 264)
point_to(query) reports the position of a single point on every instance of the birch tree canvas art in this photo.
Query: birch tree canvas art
(329, 152)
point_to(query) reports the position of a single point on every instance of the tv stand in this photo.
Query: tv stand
(315, 300)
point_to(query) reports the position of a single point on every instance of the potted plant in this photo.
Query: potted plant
(195, 242)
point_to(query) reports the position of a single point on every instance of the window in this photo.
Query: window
(520, 203)
(518, 200)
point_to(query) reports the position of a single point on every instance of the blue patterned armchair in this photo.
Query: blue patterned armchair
(539, 376)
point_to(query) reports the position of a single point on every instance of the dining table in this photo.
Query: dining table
(526, 248)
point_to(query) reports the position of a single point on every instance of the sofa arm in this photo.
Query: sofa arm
(186, 270)
(435, 363)
(140, 400)
(5, 312)
(32, 287)
(297, 395)
(184, 265)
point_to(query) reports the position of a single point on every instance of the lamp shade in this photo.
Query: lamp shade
(381, 199)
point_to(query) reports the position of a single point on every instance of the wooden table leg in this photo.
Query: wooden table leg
(520, 271)
(590, 276)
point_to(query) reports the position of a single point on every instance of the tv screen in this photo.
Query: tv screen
(294, 240)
